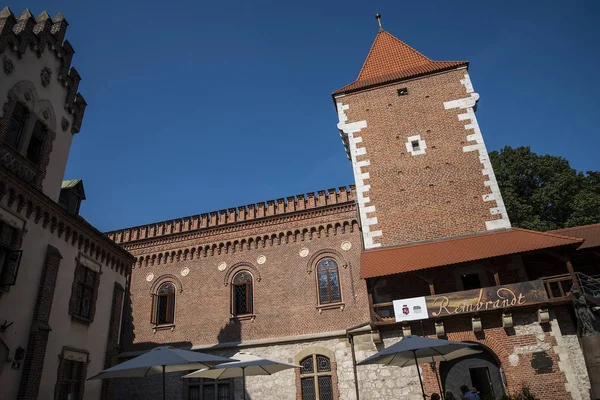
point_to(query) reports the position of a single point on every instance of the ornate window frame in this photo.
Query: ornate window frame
(84, 266)
(251, 315)
(72, 355)
(39, 110)
(312, 268)
(9, 271)
(314, 351)
(158, 283)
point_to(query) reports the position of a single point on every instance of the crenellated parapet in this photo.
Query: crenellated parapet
(25, 32)
(144, 258)
(288, 208)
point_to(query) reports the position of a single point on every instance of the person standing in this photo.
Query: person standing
(468, 394)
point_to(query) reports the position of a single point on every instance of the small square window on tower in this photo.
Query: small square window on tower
(415, 145)
(402, 91)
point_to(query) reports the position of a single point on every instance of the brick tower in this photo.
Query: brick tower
(421, 167)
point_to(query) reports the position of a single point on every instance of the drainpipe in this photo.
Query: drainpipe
(351, 340)
(350, 336)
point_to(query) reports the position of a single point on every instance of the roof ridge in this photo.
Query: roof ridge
(551, 234)
(573, 228)
(469, 236)
(442, 239)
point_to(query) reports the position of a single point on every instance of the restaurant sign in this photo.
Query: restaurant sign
(470, 301)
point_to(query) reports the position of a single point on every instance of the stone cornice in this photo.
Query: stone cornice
(26, 32)
(31, 204)
(278, 211)
(190, 251)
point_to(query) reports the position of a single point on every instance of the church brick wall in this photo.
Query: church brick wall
(284, 282)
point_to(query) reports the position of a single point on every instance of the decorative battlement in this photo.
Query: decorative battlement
(236, 215)
(26, 32)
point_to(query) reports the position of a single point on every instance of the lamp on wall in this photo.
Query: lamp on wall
(439, 329)
(543, 316)
(476, 323)
(507, 320)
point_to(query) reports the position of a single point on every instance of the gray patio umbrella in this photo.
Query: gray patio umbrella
(413, 350)
(247, 365)
(161, 359)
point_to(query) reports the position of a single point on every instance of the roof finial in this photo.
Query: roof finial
(378, 17)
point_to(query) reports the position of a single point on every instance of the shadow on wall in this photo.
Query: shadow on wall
(231, 332)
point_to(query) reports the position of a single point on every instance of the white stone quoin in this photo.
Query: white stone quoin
(366, 211)
(475, 135)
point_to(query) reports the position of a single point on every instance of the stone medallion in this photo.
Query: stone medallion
(261, 259)
(64, 123)
(8, 65)
(150, 277)
(222, 266)
(303, 252)
(185, 271)
(46, 74)
(346, 245)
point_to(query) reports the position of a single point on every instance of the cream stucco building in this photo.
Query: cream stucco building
(62, 282)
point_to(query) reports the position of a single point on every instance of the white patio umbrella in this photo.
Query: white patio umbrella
(413, 350)
(161, 359)
(247, 365)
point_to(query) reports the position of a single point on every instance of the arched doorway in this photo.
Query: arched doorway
(480, 371)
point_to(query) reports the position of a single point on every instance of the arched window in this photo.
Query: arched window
(241, 293)
(315, 378)
(329, 281)
(163, 307)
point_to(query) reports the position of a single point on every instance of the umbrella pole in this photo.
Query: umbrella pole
(244, 382)
(164, 388)
(437, 376)
(419, 373)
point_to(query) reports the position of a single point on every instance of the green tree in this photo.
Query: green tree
(543, 192)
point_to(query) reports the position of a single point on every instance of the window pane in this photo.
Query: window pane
(325, 391)
(6, 233)
(170, 308)
(166, 288)
(308, 389)
(161, 309)
(323, 364)
(209, 392)
(194, 393)
(242, 278)
(307, 365)
(75, 371)
(86, 301)
(334, 286)
(35, 143)
(16, 125)
(224, 391)
(323, 288)
(78, 295)
(89, 278)
(240, 305)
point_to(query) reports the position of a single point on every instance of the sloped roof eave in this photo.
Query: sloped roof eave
(366, 84)
(449, 251)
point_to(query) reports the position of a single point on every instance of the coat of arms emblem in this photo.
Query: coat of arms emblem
(405, 310)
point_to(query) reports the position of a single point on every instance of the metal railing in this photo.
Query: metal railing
(590, 285)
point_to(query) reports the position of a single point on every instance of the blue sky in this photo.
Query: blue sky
(195, 106)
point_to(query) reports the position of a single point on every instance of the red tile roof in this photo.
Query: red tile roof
(417, 256)
(390, 59)
(591, 234)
